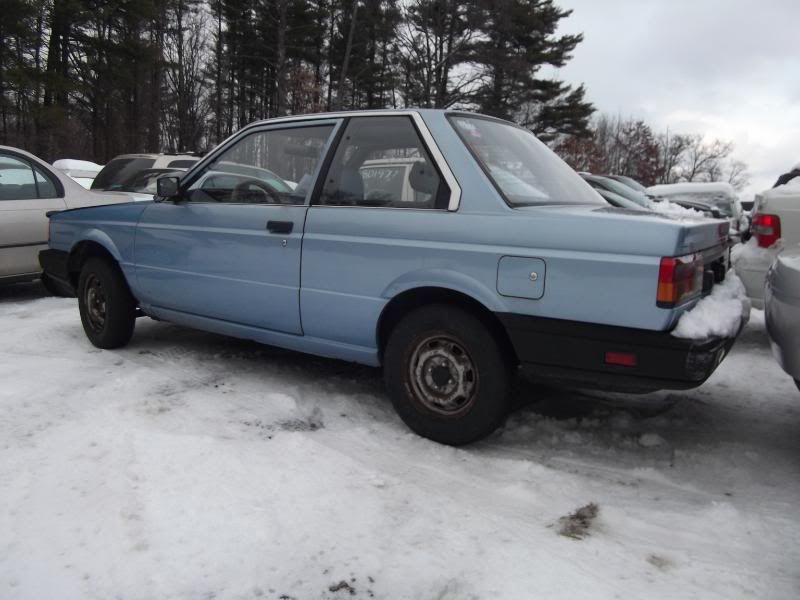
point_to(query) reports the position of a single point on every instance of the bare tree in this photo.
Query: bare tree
(702, 161)
(738, 175)
(187, 104)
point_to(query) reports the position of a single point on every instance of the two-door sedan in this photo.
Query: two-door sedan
(447, 247)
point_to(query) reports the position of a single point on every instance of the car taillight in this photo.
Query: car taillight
(767, 229)
(679, 279)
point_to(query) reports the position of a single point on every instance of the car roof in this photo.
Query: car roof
(376, 112)
(157, 155)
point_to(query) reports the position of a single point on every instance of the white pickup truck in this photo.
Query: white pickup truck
(775, 225)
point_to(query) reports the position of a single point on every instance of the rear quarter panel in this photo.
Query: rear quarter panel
(356, 259)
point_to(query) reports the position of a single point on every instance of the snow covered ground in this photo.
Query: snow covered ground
(193, 466)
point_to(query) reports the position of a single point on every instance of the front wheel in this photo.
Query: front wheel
(447, 375)
(108, 310)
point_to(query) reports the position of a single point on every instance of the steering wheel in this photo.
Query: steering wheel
(379, 197)
(241, 192)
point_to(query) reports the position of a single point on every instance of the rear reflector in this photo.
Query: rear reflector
(767, 229)
(624, 359)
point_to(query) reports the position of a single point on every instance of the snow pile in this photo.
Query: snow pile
(693, 187)
(718, 314)
(676, 211)
(71, 164)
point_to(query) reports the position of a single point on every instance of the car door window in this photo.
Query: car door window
(382, 161)
(16, 179)
(44, 184)
(276, 166)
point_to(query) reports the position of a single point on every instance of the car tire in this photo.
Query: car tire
(107, 308)
(797, 383)
(447, 375)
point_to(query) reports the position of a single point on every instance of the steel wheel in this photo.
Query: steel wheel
(443, 375)
(96, 303)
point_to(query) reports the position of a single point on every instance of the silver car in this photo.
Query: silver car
(29, 189)
(782, 310)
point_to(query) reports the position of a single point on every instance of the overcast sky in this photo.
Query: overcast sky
(722, 68)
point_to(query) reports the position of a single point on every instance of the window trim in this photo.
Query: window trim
(60, 193)
(428, 143)
(197, 170)
(339, 117)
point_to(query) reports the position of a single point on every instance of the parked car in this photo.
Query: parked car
(719, 197)
(782, 310)
(775, 225)
(122, 168)
(505, 257)
(629, 181)
(618, 201)
(82, 171)
(605, 184)
(29, 190)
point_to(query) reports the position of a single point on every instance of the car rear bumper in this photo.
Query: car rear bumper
(576, 353)
(55, 267)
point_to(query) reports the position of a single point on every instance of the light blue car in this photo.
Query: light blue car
(489, 255)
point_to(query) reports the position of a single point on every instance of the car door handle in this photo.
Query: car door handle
(280, 226)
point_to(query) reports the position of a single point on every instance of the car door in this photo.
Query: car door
(27, 194)
(229, 246)
(364, 230)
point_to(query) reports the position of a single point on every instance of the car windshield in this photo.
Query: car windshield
(145, 181)
(524, 170)
(118, 171)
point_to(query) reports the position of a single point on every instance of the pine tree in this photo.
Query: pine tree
(518, 40)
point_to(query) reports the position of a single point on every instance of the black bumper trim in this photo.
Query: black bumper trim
(572, 351)
(55, 266)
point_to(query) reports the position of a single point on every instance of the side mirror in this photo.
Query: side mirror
(168, 187)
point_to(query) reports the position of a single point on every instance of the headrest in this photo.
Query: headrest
(423, 178)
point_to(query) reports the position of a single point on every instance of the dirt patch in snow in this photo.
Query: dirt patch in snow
(577, 524)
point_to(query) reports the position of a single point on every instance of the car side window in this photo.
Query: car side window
(16, 179)
(276, 166)
(383, 162)
(44, 184)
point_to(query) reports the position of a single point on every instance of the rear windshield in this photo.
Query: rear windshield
(524, 170)
(182, 163)
(118, 171)
(623, 190)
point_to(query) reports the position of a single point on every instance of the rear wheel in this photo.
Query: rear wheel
(107, 308)
(447, 375)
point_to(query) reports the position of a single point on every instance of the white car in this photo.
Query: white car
(29, 189)
(782, 301)
(775, 225)
(718, 195)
